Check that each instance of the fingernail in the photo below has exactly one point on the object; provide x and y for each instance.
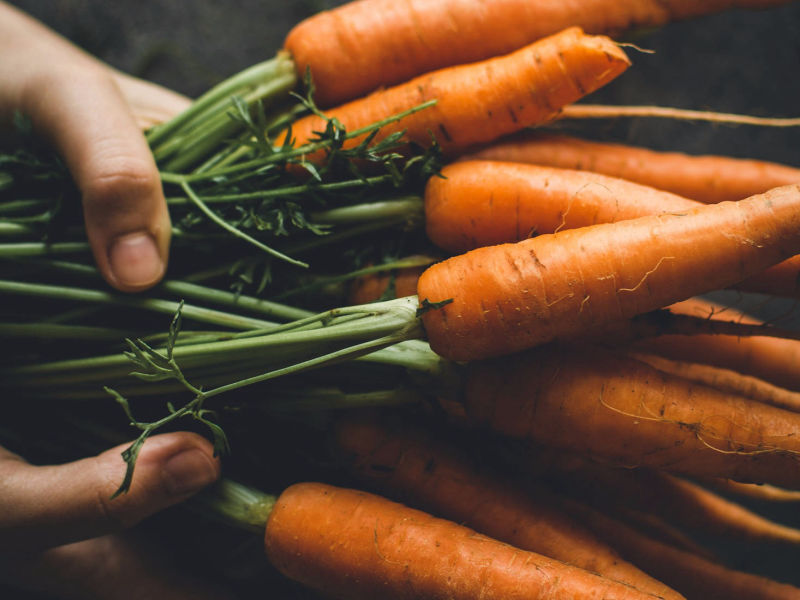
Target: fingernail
(135, 260)
(188, 472)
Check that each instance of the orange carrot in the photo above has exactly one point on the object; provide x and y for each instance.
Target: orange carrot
(773, 360)
(477, 103)
(613, 408)
(479, 203)
(726, 380)
(368, 44)
(763, 492)
(676, 500)
(707, 179)
(692, 575)
(351, 544)
(514, 296)
(406, 462)
(403, 282)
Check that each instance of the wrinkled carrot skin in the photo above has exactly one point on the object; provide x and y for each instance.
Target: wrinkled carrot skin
(481, 203)
(677, 500)
(773, 360)
(708, 179)
(617, 409)
(692, 575)
(726, 380)
(408, 464)
(368, 44)
(513, 296)
(480, 102)
(354, 545)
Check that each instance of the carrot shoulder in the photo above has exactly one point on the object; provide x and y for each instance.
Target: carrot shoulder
(513, 296)
(708, 179)
(351, 544)
(405, 462)
(479, 102)
(368, 44)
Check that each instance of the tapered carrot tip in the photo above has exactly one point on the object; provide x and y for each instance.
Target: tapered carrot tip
(354, 545)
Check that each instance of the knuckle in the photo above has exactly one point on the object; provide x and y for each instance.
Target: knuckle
(119, 175)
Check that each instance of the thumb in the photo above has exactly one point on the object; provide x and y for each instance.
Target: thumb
(81, 109)
(42, 507)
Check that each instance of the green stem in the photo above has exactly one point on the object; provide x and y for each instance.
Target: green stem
(237, 232)
(205, 315)
(410, 208)
(218, 97)
(281, 192)
(235, 504)
(199, 143)
(42, 249)
(284, 154)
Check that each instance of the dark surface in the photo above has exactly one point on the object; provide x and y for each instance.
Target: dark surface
(746, 62)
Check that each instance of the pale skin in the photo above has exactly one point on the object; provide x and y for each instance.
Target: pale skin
(60, 531)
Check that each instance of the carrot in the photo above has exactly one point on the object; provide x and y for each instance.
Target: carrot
(368, 44)
(676, 500)
(773, 360)
(763, 492)
(514, 296)
(613, 408)
(479, 102)
(351, 544)
(407, 462)
(479, 203)
(371, 288)
(726, 380)
(708, 179)
(693, 575)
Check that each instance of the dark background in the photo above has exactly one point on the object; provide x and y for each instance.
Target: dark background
(739, 61)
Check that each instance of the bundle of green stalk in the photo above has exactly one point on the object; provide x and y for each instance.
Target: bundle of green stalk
(490, 338)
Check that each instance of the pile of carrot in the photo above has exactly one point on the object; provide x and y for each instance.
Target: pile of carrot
(563, 433)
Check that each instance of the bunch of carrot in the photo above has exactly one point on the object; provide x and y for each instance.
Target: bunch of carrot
(524, 330)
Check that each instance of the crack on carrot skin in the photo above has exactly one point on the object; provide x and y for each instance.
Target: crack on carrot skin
(699, 429)
(646, 275)
(378, 550)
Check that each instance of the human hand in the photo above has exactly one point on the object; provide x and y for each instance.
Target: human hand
(92, 115)
(59, 527)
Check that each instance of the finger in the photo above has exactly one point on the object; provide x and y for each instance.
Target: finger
(150, 104)
(106, 568)
(82, 111)
(42, 507)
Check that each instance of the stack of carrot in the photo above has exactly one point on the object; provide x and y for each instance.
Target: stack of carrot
(559, 322)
